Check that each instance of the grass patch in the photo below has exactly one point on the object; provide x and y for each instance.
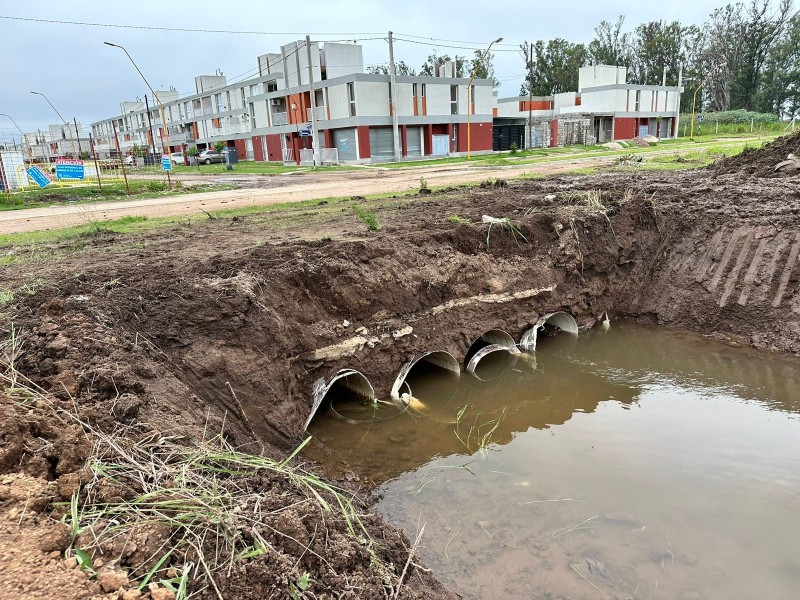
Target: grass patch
(457, 219)
(369, 218)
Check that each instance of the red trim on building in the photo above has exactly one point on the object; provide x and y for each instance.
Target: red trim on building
(404, 140)
(363, 142)
(241, 149)
(554, 133)
(625, 128)
(258, 149)
(480, 134)
(416, 108)
(274, 148)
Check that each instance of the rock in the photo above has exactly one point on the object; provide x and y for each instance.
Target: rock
(346, 323)
(65, 384)
(55, 539)
(362, 331)
(131, 595)
(71, 562)
(111, 581)
(162, 594)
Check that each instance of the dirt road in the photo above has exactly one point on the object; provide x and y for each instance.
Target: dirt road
(300, 187)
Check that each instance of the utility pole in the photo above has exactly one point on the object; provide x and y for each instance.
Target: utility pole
(529, 141)
(393, 100)
(150, 123)
(93, 150)
(678, 112)
(77, 137)
(119, 156)
(314, 131)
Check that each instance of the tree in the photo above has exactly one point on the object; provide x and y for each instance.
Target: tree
(654, 46)
(400, 68)
(481, 67)
(779, 91)
(555, 67)
(431, 66)
(219, 146)
(610, 46)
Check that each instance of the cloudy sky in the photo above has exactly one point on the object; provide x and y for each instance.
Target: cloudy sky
(86, 79)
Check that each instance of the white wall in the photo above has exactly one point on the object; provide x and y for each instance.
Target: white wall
(342, 59)
(338, 102)
(599, 75)
(372, 98)
(404, 103)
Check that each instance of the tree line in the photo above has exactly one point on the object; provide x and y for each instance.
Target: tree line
(745, 56)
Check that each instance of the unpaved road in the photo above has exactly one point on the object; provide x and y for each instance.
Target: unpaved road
(308, 186)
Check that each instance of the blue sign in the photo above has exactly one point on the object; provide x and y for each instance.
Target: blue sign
(306, 131)
(70, 169)
(166, 164)
(39, 176)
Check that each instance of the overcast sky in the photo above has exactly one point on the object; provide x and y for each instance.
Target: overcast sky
(85, 79)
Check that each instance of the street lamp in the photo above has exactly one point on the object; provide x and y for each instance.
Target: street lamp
(74, 149)
(469, 93)
(697, 89)
(164, 129)
(24, 140)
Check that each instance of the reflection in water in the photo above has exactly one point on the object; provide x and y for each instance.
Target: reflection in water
(636, 463)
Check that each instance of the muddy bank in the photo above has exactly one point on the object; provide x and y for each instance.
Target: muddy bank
(230, 325)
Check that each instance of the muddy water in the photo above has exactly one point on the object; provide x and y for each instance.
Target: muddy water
(639, 463)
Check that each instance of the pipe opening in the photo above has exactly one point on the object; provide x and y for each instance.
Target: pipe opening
(496, 337)
(548, 326)
(432, 375)
(492, 361)
(347, 395)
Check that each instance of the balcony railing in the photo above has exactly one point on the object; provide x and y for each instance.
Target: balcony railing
(322, 114)
(279, 118)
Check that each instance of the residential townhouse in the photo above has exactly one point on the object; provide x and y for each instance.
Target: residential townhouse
(267, 117)
(604, 108)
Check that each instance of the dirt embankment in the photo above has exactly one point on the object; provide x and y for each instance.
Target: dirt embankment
(218, 329)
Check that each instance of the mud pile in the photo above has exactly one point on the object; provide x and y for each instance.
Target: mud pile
(226, 328)
(761, 162)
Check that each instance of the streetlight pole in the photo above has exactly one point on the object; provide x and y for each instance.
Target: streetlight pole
(74, 149)
(24, 140)
(469, 95)
(694, 96)
(164, 128)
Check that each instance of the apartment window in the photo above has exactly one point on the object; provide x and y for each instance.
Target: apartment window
(638, 100)
(218, 102)
(228, 100)
(351, 98)
(243, 99)
(252, 116)
(414, 89)
(453, 99)
(472, 99)
(254, 90)
(272, 86)
(169, 110)
(423, 90)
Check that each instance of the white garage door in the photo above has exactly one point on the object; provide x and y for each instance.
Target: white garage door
(344, 140)
(414, 141)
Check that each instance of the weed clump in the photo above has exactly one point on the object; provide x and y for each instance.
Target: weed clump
(370, 220)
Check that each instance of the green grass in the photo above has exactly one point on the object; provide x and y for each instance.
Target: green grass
(54, 195)
(255, 168)
(369, 218)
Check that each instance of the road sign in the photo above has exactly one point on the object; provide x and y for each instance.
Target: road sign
(166, 163)
(306, 131)
(39, 176)
(70, 169)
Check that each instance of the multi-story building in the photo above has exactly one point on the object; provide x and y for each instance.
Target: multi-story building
(605, 107)
(268, 117)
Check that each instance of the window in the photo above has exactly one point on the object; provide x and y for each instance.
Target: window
(351, 97)
(414, 90)
(472, 99)
(453, 99)
(254, 90)
(638, 100)
(423, 90)
(666, 101)
(218, 102)
(228, 100)
(252, 116)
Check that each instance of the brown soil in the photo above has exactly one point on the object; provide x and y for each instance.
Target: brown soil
(226, 327)
(761, 162)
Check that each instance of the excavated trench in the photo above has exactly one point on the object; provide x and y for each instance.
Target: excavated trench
(250, 333)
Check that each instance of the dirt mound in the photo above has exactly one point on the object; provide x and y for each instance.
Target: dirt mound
(141, 349)
(760, 162)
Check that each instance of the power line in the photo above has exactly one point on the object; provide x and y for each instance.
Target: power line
(181, 29)
(479, 45)
(438, 45)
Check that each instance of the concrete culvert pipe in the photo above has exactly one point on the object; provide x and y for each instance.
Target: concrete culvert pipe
(492, 361)
(345, 386)
(496, 337)
(548, 325)
(437, 367)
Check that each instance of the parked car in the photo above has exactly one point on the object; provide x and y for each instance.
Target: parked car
(209, 156)
(130, 161)
(177, 158)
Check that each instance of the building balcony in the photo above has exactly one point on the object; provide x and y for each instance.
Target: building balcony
(322, 114)
(280, 118)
